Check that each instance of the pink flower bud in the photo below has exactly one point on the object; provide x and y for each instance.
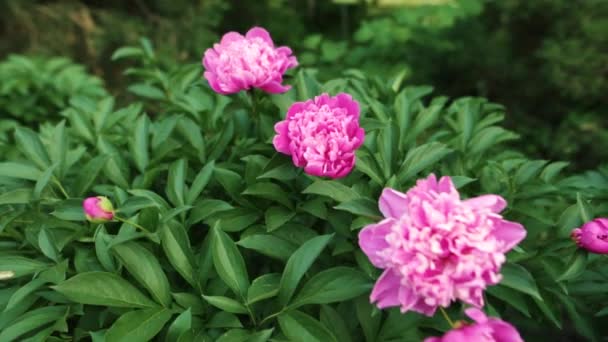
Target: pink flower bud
(98, 209)
(593, 236)
(484, 329)
(321, 135)
(243, 62)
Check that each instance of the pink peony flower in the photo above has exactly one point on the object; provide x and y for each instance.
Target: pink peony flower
(321, 135)
(484, 330)
(240, 63)
(436, 248)
(98, 209)
(593, 236)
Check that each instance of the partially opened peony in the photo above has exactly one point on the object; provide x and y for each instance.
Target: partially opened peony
(436, 248)
(485, 329)
(593, 236)
(321, 135)
(243, 62)
(98, 209)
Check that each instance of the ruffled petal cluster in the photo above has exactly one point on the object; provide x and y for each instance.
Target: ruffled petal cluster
(243, 62)
(436, 248)
(593, 236)
(321, 135)
(485, 329)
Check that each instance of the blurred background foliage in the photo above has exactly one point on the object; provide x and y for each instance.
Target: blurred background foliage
(545, 60)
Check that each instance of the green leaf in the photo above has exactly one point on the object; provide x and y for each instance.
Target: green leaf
(575, 266)
(585, 210)
(146, 269)
(207, 208)
(268, 245)
(236, 219)
(300, 327)
(32, 320)
(275, 217)
(147, 91)
(43, 181)
(298, 264)
(20, 266)
(176, 182)
(230, 180)
(102, 248)
(126, 51)
(177, 248)
(333, 285)
(264, 287)
(511, 297)
(88, 174)
(192, 132)
(519, 279)
(226, 304)
(24, 291)
(421, 158)
(17, 196)
(138, 325)
(19, 170)
(332, 320)
(47, 245)
(58, 148)
(360, 207)
(222, 142)
(69, 210)
(181, 325)
(103, 288)
(200, 182)
(140, 143)
(269, 191)
(332, 189)
(228, 262)
(29, 143)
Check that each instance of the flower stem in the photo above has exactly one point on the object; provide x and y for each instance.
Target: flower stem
(447, 318)
(271, 316)
(58, 183)
(131, 223)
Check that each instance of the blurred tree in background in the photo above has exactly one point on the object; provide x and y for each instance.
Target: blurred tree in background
(546, 60)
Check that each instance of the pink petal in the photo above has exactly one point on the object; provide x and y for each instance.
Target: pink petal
(504, 332)
(392, 203)
(386, 290)
(476, 315)
(275, 87)
(372, 239)
(258, 32)
(493, 202)
(231, 37)
(511, 233)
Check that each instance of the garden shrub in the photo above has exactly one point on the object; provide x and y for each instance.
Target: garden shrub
(220, 237)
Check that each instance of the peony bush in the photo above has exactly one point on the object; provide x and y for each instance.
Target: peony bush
(262, 203)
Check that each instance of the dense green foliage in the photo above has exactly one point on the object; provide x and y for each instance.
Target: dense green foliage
(545, 60)
(236, 243)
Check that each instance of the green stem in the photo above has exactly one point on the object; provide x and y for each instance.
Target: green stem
(251, 315)
(131, 223)
(61, 187)
(271, 316)
(447, 318)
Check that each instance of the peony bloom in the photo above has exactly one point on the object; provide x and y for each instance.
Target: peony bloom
(436, 248)
(241, 63)
(321, 135)
(483, 330)
(593, 236)
(98, 209)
